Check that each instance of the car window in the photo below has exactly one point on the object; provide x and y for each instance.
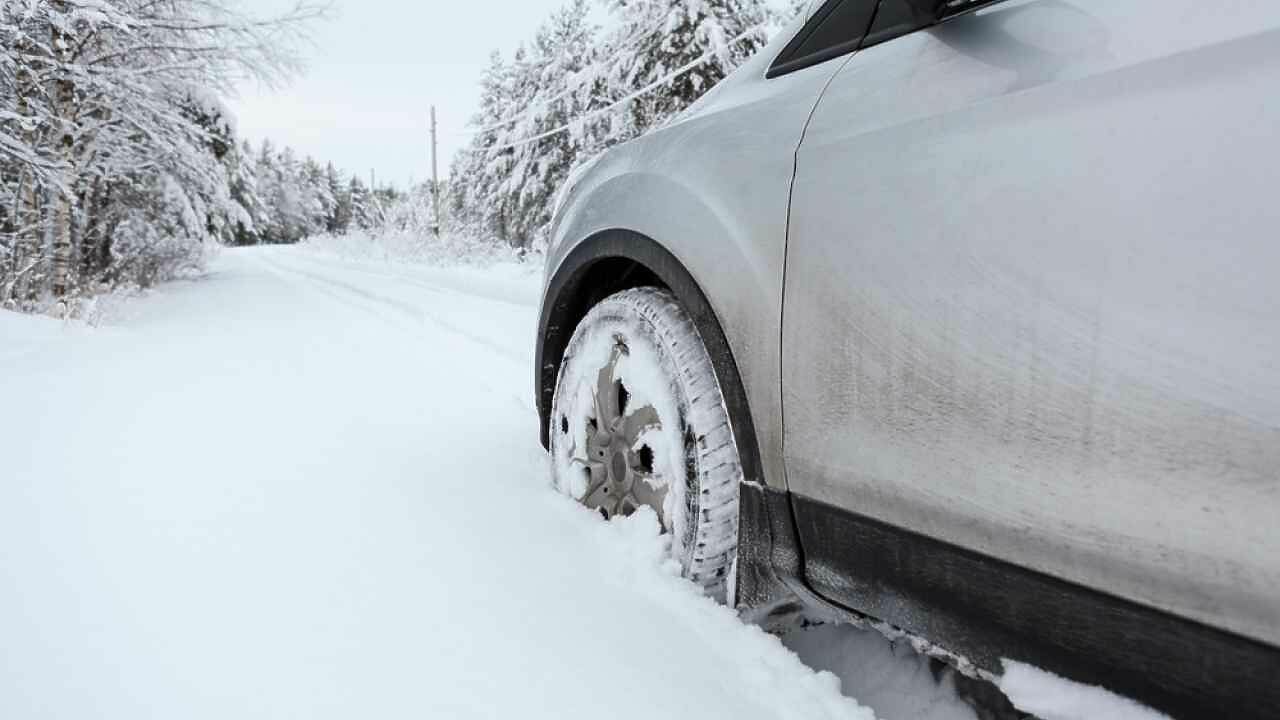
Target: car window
(835, 29)
(901, 17)
(842, 26)
(896, 18)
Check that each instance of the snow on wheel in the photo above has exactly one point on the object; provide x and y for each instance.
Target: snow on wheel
(638, 420)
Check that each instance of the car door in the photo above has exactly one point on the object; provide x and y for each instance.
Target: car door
(1030, 303)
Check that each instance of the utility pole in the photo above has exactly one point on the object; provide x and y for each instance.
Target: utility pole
(435, 179)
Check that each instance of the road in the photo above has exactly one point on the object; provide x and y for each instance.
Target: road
(310, 487)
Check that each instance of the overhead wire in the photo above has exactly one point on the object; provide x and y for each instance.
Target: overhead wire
(682, 70)
(630, 44)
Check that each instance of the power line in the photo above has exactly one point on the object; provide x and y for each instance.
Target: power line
(637, 94)
(592, 77)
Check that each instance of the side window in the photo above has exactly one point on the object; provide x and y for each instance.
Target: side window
(842, 26)
(896, 18)
(835, 29)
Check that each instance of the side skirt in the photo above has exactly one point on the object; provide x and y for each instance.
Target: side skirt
(982, 610)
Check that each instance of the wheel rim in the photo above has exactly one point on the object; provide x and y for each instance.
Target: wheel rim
(613, 452)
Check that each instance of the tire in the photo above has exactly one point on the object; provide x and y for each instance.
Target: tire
(638, 419)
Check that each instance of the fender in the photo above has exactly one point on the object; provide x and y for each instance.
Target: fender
(613, 260)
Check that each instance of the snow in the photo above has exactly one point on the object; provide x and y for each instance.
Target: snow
(311, 487)
(888, 676)
(309, 484)
(1050, 697)
(647, 379)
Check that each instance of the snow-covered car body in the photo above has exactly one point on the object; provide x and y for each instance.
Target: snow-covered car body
(997, 294)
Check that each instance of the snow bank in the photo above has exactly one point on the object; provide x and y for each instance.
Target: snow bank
(306, 486)
(499, 278)
(756, 663)
(1050, 697)
(415, 247)
(17, 327)
(310, 488)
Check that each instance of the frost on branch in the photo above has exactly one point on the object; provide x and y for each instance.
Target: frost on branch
(575, 90)
(118, 161)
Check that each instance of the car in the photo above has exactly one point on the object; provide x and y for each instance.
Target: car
(961, 317)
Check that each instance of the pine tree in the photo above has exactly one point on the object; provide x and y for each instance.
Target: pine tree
(549, 108)
(363, 215)
(290, 201)
(339, 218)
(252, 212)
(656, 38)
(560, 74)
(319, 201)
(476, 170)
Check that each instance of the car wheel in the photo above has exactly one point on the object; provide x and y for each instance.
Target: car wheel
(638, 420)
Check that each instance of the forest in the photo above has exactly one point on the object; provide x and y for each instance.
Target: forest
(121, 164)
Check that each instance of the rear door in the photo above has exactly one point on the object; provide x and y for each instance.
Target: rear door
(1031, 305)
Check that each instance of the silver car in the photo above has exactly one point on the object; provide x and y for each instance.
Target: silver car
(960, 316)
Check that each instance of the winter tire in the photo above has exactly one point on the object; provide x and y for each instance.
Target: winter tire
(638, 419)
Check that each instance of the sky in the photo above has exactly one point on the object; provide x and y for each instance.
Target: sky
(374, 70)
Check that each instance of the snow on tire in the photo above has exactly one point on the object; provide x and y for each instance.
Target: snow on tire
(638, 419)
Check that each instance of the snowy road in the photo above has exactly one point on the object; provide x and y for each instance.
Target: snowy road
(310, 487)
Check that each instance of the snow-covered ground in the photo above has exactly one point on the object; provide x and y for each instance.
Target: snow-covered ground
(310, 486)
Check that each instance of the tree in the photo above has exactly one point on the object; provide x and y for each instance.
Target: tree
(363, 215)
(475, 177)
(108, 112)
(339, 218)
(564, 59)
(504, 183)
(657, 38)
(575, 92)
(252, 212)
(318, 200)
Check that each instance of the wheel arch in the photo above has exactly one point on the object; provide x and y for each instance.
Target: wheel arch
(613, 260)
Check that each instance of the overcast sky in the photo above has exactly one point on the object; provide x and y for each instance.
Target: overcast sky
(376, 69)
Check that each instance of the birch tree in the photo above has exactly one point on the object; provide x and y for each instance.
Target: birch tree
(110, 115)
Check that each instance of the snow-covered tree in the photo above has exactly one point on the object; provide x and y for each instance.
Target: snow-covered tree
(657, 38)
(360, 200)
(794, 8)
(108, 111)
(476, 171)
(243, 179)
(575, 91)
(339, 216)
(563, 74)
(510, 175)
(319, 201)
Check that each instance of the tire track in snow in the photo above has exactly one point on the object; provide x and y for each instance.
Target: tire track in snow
(899, 680)
(365, 298)
(412, 311)
(354, 266)
(292, 279)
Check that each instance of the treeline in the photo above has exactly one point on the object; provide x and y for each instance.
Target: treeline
(118, 163)
(286, 199)
(575, 89)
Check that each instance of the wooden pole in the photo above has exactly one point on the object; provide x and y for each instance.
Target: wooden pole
(435, 178)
